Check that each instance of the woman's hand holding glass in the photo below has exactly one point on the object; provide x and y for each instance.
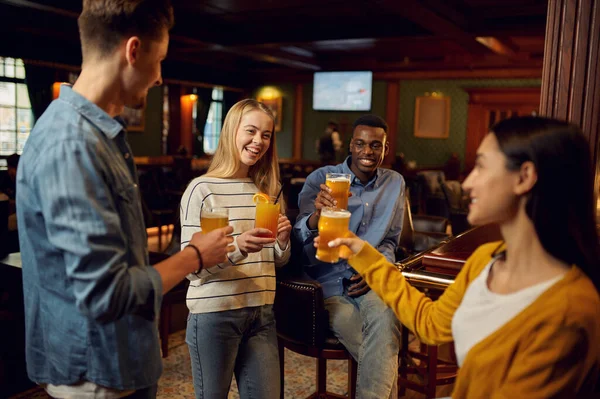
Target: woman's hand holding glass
(284, 229)
(350, 245)
(254, 240)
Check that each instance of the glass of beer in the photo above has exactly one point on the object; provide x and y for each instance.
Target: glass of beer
(267, 217)
(333, 223)
(339, 183)
(213, 218)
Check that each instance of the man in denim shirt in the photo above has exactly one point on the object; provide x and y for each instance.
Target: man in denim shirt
(91, 297)
(361, 321)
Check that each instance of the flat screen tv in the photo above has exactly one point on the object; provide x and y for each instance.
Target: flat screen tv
(342, 91)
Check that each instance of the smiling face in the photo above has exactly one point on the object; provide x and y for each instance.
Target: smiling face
(492, 186)
(368, 148)
(253, 137)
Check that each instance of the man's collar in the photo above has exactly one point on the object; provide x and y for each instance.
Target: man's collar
(96, 115)
(346, 167)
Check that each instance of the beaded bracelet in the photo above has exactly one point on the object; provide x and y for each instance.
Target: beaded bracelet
(195, 248)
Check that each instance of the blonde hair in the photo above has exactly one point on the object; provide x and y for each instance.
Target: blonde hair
(226, 161)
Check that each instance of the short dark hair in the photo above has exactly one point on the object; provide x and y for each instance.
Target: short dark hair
(104, 23)
(12, 160)
(561, 203)
(371, 120)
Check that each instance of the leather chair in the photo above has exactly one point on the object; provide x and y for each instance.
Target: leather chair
(419, 232)
(457, 208)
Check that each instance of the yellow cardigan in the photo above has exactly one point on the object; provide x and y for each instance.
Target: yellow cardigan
(549, 350)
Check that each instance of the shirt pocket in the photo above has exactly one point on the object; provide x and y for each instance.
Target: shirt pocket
(130, 214)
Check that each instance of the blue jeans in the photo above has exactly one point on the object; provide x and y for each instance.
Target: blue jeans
(370, 331)
(241, 341)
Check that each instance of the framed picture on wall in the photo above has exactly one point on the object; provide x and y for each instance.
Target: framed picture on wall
(432, 117)
(274, 104)
(134, 118)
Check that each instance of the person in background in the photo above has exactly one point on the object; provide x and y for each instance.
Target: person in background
(524, 313)
(91, 297)
(358, 318)
(8, 185)
(231, 327)
(329, 145)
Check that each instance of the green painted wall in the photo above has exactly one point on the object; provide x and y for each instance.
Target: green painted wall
(147, 143)
(315, 122)
(284, 137)
(431, 152)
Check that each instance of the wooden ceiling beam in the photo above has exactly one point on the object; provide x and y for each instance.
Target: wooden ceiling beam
(273, 59)
(41, 7)
(421, 15)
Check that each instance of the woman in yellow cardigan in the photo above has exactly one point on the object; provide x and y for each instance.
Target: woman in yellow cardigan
(524, 313)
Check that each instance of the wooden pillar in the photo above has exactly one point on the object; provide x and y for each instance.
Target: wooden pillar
(187, 104)
(391, 117)
(297, 133)
(571, 75)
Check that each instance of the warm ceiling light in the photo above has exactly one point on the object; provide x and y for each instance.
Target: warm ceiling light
(496, 45)
(269, 93)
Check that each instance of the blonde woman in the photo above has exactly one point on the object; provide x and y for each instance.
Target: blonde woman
(231, 327)
(524, 313)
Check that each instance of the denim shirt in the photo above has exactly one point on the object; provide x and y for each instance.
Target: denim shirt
(91, 298)
(377, 209)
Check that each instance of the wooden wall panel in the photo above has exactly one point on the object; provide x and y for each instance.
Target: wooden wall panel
(571, 74)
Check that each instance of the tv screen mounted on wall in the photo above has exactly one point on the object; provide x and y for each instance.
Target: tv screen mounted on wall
(342, 91)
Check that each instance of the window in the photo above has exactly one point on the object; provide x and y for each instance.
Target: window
(16, 118)
(214, 121)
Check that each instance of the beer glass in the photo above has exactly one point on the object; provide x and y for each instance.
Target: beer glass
(339, 183)
(267, 217)
(333, 223)
(213, 218)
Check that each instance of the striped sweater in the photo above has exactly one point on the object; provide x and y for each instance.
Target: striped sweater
(244, 280)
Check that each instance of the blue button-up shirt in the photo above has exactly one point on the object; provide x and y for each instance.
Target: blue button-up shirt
(91, 298)
(377, 210)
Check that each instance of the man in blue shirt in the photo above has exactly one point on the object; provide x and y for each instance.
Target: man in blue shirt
(91, 297)
(361, 321)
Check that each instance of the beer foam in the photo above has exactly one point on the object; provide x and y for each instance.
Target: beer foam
(335, 213)
(214, 215)
(338, 179)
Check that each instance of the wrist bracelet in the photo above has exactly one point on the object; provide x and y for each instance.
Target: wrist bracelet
(195, 248)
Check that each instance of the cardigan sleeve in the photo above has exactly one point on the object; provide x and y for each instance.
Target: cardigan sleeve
(551, 364)
(430, 320)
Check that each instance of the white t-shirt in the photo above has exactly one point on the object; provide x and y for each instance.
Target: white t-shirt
(482, 311)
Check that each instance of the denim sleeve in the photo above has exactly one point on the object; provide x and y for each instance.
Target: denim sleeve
(82, 220)
(390, 242)
(306, 203)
